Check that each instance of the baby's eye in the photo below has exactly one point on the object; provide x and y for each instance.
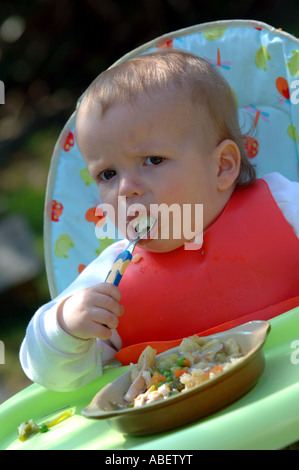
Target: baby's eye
(154, 160)
(107, 175)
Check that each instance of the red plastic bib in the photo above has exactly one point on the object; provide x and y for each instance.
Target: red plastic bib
(247, 266)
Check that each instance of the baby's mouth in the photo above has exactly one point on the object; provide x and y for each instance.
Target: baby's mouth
(142, 224)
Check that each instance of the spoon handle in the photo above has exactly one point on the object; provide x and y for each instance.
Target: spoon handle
(118, 268)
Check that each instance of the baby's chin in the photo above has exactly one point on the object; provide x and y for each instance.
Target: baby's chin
(160, 246)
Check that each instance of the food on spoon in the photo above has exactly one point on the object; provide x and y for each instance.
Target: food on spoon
(143, 222)
(198, 359)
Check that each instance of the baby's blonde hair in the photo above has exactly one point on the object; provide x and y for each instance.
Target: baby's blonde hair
(176, 70)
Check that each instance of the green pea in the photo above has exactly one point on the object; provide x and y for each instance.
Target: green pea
(180, 361)
(43, 428)
(169, 378)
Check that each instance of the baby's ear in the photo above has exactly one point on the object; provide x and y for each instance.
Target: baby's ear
(228, 160)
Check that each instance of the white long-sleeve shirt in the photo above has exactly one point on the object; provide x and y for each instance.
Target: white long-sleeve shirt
(61, 362)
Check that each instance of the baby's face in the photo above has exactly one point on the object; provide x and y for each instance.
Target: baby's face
(152, 153)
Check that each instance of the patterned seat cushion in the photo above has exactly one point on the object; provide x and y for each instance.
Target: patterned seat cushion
(261, 65)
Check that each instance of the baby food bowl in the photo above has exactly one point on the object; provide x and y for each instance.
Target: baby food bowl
(194, 404)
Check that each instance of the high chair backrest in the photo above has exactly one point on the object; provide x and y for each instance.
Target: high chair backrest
(261, 65)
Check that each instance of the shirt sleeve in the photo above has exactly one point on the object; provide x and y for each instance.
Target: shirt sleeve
(286, 196)
(53, 358)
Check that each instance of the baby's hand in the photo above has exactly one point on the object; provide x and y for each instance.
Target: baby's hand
(91, 312)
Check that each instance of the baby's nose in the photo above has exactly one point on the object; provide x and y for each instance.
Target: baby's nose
(130, 187)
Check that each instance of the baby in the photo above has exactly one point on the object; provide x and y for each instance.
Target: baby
(162, 129)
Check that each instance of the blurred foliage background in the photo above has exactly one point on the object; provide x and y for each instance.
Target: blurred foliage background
(50, 50)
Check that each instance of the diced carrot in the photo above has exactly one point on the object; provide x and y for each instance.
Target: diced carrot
(179, 372)
(156, 379)
(186, 363)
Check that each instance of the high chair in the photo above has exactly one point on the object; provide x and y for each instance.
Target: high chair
(261, 64)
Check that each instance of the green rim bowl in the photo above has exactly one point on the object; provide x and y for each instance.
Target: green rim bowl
(194, 404)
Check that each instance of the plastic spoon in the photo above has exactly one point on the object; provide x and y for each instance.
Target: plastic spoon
(120, 264)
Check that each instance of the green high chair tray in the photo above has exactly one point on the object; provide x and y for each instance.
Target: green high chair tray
(267, 417)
